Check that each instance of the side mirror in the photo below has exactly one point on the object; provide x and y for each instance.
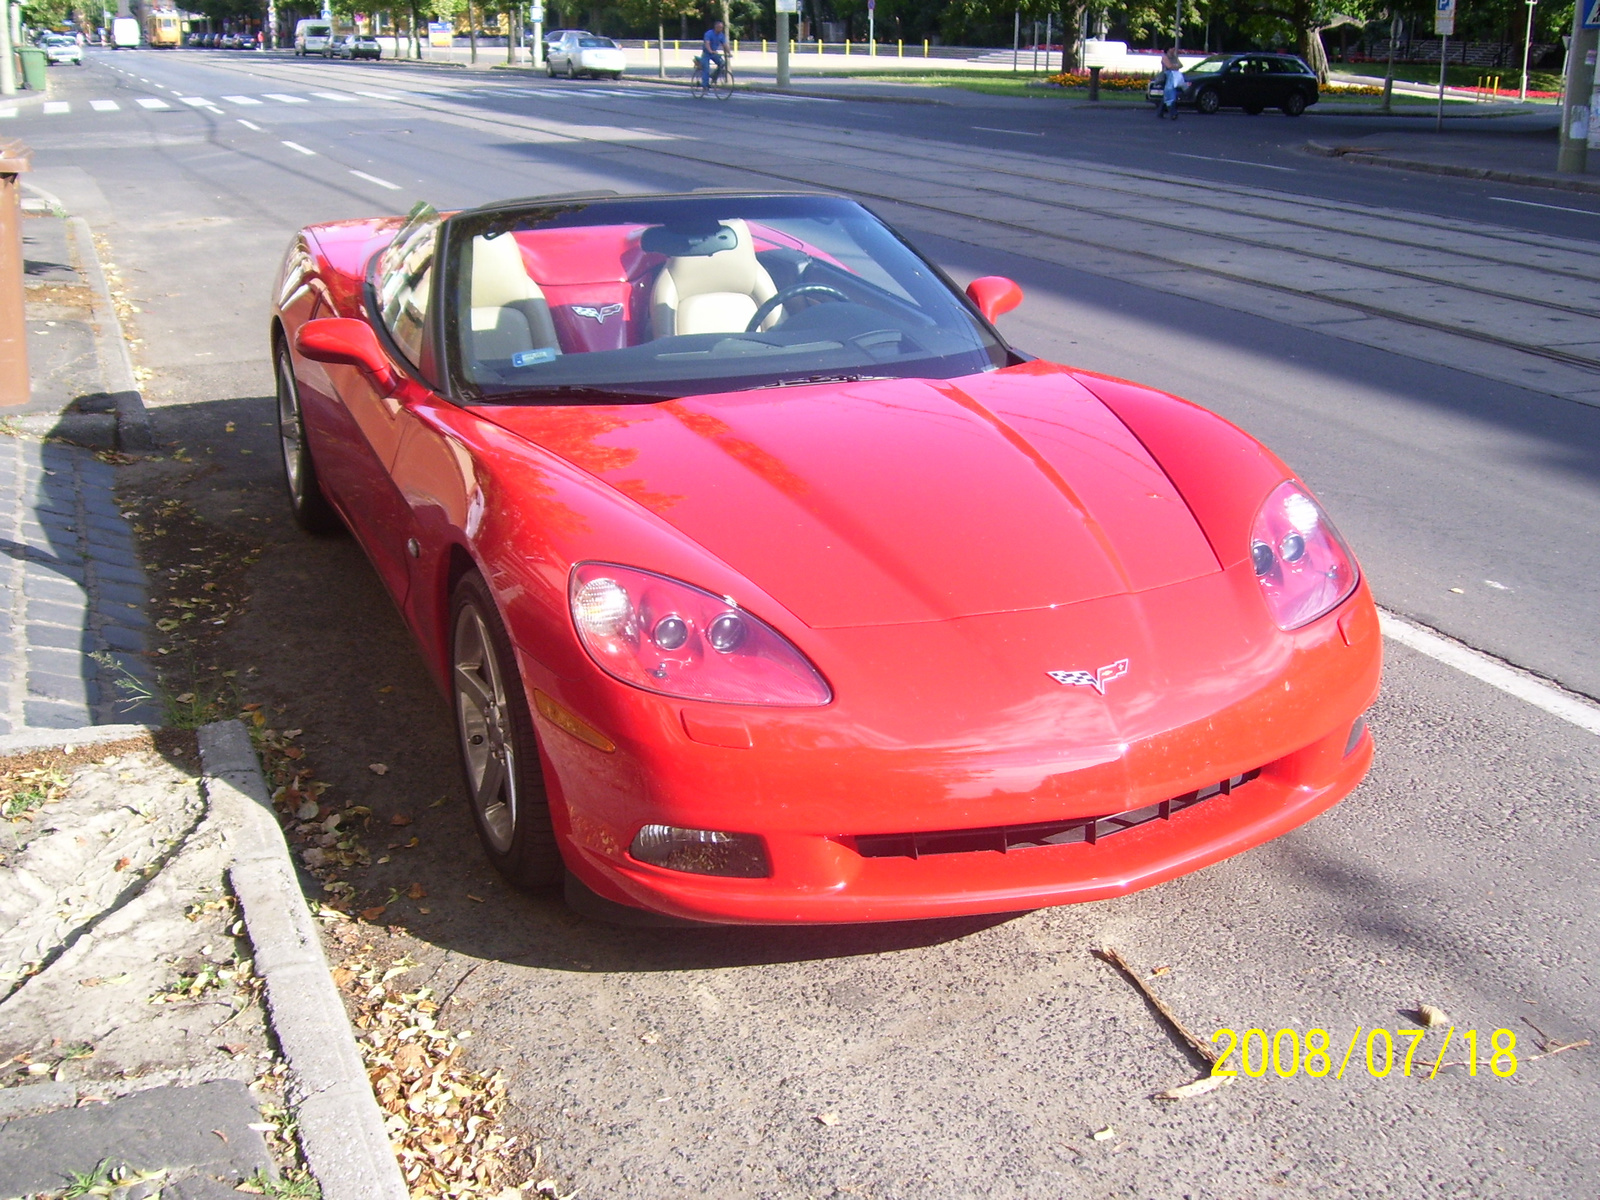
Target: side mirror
(347, 341)
(995, 295)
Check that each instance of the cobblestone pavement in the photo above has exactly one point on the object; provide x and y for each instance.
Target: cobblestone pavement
(72, 594)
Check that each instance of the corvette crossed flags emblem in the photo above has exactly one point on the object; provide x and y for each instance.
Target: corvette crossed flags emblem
(1094, 679)
(597, 312)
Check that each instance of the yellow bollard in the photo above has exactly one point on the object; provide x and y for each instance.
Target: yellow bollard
(872, 49)
(924, 47)
(847, 47)
(763, 45)
(900, 47)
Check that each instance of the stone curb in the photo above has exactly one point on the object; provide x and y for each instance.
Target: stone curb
(27, 741)
(116, 363)
(341, 1127)
(1526, 179)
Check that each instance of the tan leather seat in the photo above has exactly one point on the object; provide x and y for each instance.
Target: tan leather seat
(712, 293)
(509, 312)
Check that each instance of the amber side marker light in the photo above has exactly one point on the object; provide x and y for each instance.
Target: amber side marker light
(562, 719)
(702, 851)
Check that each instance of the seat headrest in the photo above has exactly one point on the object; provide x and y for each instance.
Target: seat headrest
(734, 269)
(498, 274)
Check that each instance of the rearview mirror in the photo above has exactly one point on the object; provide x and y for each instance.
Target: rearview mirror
(347, 341)
(995, 295)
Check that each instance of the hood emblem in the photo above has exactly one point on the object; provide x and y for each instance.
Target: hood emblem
(597, 312)
(1094, 679)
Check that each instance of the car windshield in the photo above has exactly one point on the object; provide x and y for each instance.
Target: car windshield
(603, 43)
(1207, 66)
(643, 299)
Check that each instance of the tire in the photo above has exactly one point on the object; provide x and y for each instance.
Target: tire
(723, 84)
(1294, 104)
(550, 68)
(499, 749)
(1208, 101)
(307, 504)
(572, 69)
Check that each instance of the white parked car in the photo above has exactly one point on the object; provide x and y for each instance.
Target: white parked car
(59, 49)
(578, 53)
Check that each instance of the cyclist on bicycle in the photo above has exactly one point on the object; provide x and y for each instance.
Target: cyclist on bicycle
(713, 51)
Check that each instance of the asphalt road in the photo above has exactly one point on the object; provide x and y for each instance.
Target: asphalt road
(1453, 439)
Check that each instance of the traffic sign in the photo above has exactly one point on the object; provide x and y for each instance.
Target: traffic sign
(1591, 14)
(1444, 17)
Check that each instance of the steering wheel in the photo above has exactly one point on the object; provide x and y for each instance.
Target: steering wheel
(788, 294)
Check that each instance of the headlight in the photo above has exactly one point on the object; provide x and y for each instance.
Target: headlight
(670, 637)
(1302, 564)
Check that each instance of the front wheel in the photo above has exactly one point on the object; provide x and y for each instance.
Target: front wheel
(723, 84)
(307, 504)
(499, 749)
(550, 68)
(1208, 101)
(1294, 104)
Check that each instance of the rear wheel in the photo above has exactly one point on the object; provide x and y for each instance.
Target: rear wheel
(499, 750)
(572, 69)
(1208, 101)
(307, 504)
(1294, 104)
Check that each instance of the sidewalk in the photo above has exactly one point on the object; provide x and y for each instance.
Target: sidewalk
(168, 1021)
(1519, 148)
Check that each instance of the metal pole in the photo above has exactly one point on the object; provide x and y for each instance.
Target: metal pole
(1444, 57)
(1016, 38)
(1573, 157)
(783, 50)
(1527, 45)
(8, 64)
(1177, 24)
(1388, 77)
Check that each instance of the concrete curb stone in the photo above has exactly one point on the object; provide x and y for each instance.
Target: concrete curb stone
(1527, 179)
(341, 1127)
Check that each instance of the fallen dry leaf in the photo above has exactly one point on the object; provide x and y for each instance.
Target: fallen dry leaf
(221, 1135)
(378, 768)
(470, 896)
(1432, 1017)
(122, 864)
(1104, 1135)
(828, 1118)
(1163, 970)
(1189, 1091)
(376, 911)
(342, 975)
(235, 1048)
(398, 818)
(416, 892)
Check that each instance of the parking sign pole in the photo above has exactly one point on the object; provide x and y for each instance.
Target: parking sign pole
(1444, 24)
(1576, 115)
(783, 9)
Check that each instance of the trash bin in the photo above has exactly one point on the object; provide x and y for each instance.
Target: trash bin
(34, 64)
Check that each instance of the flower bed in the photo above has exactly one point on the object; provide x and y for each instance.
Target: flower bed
(1108, 83)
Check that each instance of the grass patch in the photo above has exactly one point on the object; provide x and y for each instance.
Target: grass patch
(1510, 77)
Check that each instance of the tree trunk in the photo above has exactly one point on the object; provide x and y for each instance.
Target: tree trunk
(1315, 54)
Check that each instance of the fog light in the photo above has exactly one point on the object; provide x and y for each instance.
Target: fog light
(702, 851)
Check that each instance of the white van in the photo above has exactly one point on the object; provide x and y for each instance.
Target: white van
(313, 37)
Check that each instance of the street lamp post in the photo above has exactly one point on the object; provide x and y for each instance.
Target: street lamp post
(1527, 45)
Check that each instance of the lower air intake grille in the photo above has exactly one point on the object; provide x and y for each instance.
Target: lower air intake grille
(1048, 833)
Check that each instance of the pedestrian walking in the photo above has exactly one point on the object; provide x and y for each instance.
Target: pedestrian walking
(1172, 71)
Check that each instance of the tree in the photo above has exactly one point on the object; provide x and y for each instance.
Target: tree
(656, 12)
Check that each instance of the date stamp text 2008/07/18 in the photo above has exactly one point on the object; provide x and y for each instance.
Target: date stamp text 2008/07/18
(1286, 1054)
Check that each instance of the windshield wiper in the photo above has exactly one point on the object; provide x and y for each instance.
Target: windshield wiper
(796, 381)
(575, 393)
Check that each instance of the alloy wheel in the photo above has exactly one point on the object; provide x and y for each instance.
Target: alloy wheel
(485, 726)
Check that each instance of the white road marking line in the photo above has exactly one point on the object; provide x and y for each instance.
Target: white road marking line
(380, 95)
(9, 110)
(241, 100)
(249, 124)
(299, 147)
(285, 98)
(340, 96)
(1588, 212)
(105, 106)
(152, 102)
(393, 187)
(1544, 696)
(1018, 132)
(55, 106)
(1233, 162)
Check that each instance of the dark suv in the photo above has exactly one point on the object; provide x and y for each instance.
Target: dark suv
(1252, 82)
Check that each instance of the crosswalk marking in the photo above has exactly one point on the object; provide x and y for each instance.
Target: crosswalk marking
(105, 106)
(10, 110)
(55, 106)
(197, 101)
(380, 95)
(340, 96)
(152, 102)
(241, 100)
(285, 98)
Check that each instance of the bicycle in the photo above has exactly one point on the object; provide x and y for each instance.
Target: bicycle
(721, 81)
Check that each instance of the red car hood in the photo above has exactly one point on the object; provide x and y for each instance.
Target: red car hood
(901, 500)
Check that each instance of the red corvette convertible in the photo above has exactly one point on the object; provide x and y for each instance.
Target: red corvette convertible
(768, 584)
